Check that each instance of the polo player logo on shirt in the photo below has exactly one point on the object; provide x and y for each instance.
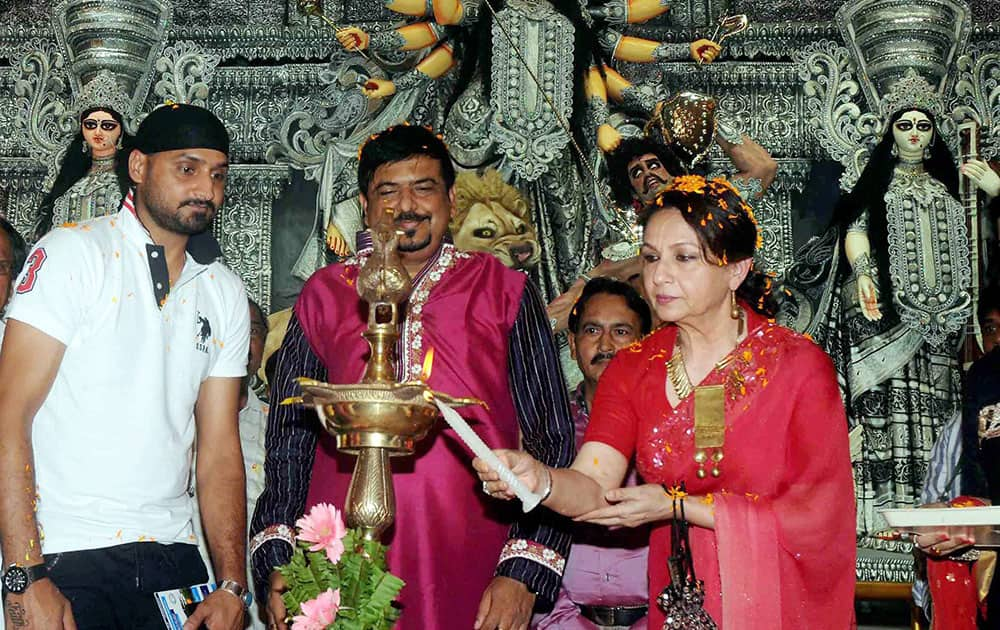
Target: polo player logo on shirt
(204, 332)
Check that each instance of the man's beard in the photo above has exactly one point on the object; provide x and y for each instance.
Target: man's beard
(174, 221)
(412, 246)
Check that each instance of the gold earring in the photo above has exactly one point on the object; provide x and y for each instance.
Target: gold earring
(734, 309)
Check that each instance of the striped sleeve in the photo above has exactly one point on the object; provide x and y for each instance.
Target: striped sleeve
(290, 446)
(538, 544)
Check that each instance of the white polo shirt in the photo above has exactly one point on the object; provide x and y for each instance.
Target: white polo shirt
(112, 440)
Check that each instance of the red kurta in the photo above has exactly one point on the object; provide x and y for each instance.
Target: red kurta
(782, 554)
(447, 535)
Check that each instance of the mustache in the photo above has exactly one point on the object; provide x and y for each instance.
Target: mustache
(207, 205)
(410, 216)
(646, 185)
(602, 356)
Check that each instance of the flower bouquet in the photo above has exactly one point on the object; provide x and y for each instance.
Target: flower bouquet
(337, 580)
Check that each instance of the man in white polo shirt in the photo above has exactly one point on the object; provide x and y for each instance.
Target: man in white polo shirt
(124, 342)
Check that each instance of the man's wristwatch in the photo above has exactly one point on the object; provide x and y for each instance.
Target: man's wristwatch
(236, 589)
(16, 579)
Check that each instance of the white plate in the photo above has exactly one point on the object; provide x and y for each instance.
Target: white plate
(928, 517)
(982, 523)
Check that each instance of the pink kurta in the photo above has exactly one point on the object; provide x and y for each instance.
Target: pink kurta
(448, 535)
(782, 554)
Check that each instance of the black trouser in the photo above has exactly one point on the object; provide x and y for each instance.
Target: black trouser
(112, 588)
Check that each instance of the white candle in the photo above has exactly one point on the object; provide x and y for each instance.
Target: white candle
(528, 498)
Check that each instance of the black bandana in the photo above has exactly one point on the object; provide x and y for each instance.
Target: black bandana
(180, 126)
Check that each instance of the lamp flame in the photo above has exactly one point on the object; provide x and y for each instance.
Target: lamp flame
(425, 371)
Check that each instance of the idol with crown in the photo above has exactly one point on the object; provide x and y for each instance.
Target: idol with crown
(81, 134)
(901, 248)
(92, 177)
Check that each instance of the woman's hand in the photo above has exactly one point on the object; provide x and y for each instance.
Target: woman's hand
(353, 38)
(705, 50)
(529, 470)
(632, 507)
(940, 544)
(868, 298)
(983, 176)
(378, 88)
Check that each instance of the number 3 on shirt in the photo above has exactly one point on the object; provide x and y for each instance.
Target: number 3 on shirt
(34, 264)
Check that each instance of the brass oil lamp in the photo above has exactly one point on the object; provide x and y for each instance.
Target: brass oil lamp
(378, 417)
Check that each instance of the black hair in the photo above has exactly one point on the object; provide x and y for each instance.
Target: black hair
(630, 149)
(18, 248)
(989, 301)
(76, 164)
(869, 193)
(474, 48)
(260, 311)
(400, 143)
(727, 231)
(610, 286)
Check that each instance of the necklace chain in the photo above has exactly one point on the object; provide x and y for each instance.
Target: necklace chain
(678, 375)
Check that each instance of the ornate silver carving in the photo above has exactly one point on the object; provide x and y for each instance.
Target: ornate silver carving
(887, 38)
(467, 127)
(929, 258)
(21, 191)
(411, 79)
(773, 211)
(526, 129)
(666, 51)
(243, 227)
(608, 39)
(245, 98)
(339, 118)
(185, 70)
(911, 91)
(123, 36)
(40, 90)
(843, 130)
(389, 39)
(641, 98)
(977, 96)
(613, 12)
(103, 91)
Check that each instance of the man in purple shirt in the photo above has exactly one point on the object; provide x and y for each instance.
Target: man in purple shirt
(604, 584)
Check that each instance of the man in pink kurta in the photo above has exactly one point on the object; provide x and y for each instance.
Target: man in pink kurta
(466, 560)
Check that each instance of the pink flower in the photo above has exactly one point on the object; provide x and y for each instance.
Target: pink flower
(324, 527)
(319, 613)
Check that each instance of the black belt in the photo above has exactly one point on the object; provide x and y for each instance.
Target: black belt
(613, 615)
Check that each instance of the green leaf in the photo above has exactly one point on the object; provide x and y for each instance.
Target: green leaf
(367, 590)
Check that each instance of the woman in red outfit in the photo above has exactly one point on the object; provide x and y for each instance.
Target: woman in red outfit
(767, 469)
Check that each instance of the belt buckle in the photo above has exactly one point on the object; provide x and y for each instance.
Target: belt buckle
(614, 615)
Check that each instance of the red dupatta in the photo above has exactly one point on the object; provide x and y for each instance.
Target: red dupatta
(782, 554)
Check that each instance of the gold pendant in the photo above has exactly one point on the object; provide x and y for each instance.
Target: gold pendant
(709, 427)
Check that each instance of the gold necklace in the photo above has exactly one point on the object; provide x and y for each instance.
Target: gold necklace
(709, 412)
(677, 372)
